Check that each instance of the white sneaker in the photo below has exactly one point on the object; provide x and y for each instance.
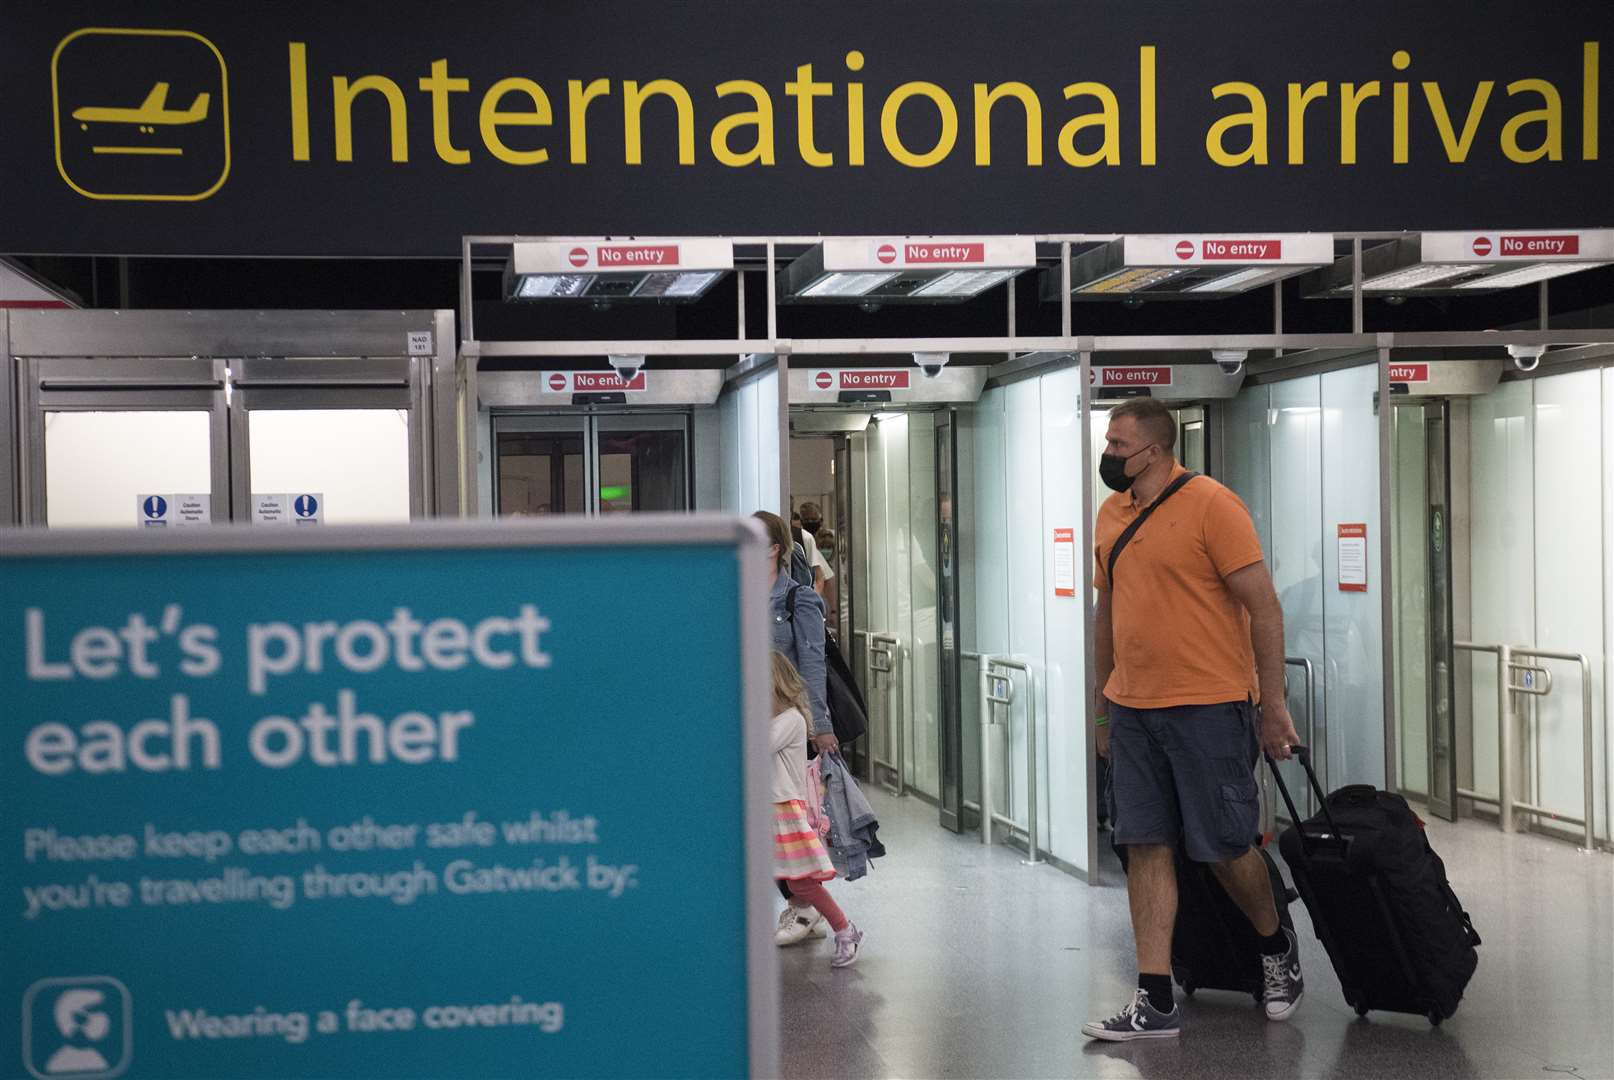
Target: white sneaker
(797, 925)
(847, 944)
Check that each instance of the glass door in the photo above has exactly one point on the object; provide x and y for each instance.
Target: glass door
(540, 467)
(1421, 576)
(643, 464)
(594, 465)
(950, 711)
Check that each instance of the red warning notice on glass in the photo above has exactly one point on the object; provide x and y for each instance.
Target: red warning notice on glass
(1064, 562)
(1353, 557)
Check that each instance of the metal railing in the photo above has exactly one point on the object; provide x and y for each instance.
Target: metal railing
(997, 688)
(1514, 678)
(885, 658)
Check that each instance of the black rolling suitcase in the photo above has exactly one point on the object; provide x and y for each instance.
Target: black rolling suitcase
(1213, 945)
(1398, 936)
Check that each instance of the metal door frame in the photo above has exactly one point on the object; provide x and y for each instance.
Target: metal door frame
(79, 384)
(300, 359)
(544, 424)
(285, 384)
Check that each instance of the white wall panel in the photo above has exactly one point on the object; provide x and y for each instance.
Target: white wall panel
(924, 639)
(1294, 543)
(1065, 622)
(1568, 574)
(1502, 588)
(1353, 620)
(1025, 557)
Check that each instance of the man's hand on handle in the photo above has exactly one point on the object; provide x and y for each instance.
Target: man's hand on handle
(1277, 730)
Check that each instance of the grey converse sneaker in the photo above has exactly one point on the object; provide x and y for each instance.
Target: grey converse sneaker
(847, 944)
(1139, 1020)
(797, 925)
(1282, 981)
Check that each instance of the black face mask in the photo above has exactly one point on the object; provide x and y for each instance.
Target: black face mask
(1112, 470)
(812, 527)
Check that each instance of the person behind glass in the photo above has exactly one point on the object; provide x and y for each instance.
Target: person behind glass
(799, 635)
(1189, 659)
(801, 865)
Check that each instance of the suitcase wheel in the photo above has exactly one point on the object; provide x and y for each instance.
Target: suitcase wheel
(1434, 1018)
(1188, 989)
(1361, 1010)
(1260, 999)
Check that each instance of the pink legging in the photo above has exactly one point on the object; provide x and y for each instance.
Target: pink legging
(809, 892)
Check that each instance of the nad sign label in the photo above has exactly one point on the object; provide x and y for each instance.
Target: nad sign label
(356, 820)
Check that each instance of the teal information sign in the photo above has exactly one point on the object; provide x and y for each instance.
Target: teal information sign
(454, 800)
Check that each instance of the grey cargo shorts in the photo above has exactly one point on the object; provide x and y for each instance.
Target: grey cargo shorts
(1186, 774)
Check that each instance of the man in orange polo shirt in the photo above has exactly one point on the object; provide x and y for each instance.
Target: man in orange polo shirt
(1189, 640)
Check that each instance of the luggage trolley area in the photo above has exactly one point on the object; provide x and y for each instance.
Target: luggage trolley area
(936, 401)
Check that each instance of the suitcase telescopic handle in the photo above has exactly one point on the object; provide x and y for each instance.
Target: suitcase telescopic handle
(1303, 755)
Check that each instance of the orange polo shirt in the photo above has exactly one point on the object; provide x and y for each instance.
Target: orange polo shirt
(1181, 636)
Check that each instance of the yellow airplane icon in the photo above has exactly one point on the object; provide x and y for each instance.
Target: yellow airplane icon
(153, 112)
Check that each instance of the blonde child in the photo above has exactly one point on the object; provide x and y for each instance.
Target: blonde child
(799, 858)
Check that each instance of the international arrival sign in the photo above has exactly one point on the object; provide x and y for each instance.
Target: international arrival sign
(183, 127)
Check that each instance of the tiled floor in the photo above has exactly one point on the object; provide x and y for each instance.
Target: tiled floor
(978, 966)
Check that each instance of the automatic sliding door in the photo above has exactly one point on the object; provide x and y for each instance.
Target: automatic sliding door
(540, 467)
(591, 464)
(643, 464)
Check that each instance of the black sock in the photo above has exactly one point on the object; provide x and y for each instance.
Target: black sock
(1276, 944)
(1158, 987)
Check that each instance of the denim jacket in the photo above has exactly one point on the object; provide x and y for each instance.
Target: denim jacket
(801, 639)
(853, 830)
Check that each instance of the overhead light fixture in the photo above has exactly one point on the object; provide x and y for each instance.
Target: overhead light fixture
(1460, 263)
(1239, 280)
(965, 282)
(915, 269)
(1529, 275)
(665, 270)
(1128, 281)
(1190, 266)
(853, 284)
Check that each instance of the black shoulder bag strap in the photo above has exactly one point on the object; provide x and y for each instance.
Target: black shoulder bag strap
(1131, 530)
